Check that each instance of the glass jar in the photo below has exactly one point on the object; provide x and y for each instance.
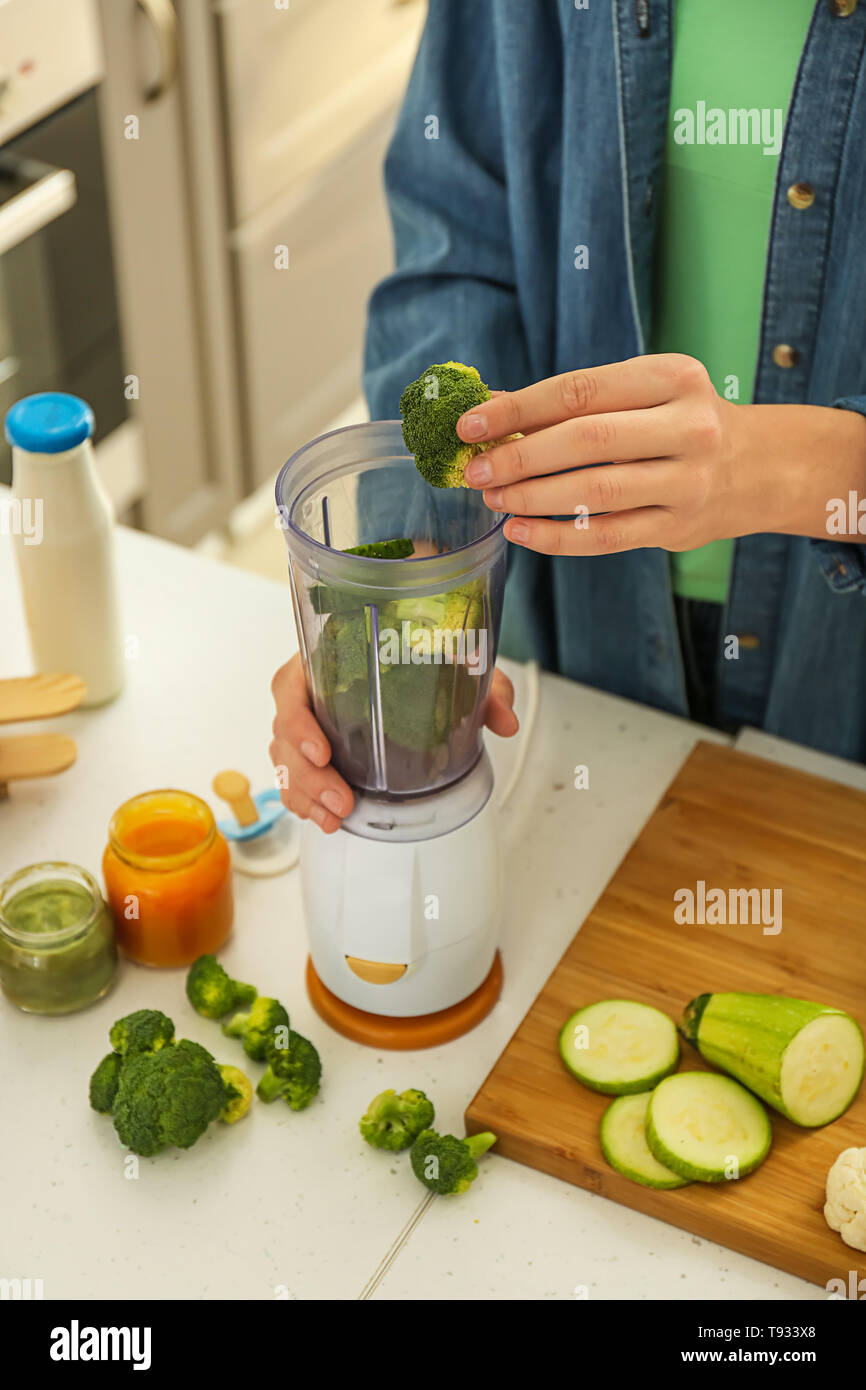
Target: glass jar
(168, 878)
(57, 950)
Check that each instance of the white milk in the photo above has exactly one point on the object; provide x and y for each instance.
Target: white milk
(68, 578)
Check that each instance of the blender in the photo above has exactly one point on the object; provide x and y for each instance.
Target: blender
(403, 902)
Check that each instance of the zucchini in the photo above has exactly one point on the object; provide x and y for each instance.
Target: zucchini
(804, 1059)
(624, 1145)
(707, 1127)
(619, 1047)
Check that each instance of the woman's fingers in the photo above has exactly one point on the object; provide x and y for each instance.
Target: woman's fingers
(616, 437)
(636, 384)
(300, 750)
(313, 793)
(625, 437)
(615, 487)
(598, 535)
(499, 713)
(295, 722)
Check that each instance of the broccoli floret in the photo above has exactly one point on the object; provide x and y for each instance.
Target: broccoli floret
(397, 549)
(416, 706)
(394, 1122)
(342, 651)
(431, 407)
(168, 1097)
(211, 990)
(104, 1083)
(446, 1164)
(256, 1027)
(293, 1072)
(146, 1030)
(464, 608)
(428, 611)
(239, 1089)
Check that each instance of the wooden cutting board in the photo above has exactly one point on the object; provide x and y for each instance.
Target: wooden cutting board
(733, 821)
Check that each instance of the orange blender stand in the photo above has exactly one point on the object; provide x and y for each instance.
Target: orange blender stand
(405, 1034)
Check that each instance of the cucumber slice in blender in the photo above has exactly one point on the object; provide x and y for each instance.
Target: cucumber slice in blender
(804, 1059)
(707, 1127)
(618, 1046)
(624, 1145)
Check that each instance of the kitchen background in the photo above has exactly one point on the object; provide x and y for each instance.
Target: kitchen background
(191, 221)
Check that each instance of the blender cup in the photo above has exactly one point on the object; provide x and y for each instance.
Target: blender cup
(398, 654)
(402, 903)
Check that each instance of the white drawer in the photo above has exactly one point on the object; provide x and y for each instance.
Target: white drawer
(303, 328)
(300, 82)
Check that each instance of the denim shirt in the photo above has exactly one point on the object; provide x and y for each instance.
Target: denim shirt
(531, 129)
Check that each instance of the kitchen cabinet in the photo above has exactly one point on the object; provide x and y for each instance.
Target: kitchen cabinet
(259, 127)
(302, 325)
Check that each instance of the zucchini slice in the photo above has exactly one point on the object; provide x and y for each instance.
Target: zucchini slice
(707, 1127)
(624, 1145)
(619, 1047)
(804, 1059)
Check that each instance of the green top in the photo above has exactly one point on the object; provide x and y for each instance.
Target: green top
(717, 202)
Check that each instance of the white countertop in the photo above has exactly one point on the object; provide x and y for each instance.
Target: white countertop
(297, 1205)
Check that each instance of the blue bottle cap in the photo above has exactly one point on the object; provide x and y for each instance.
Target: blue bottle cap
(49, 423)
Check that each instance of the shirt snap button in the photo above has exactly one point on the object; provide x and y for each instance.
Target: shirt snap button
(843, 7)
(801, 195)
(785, 356)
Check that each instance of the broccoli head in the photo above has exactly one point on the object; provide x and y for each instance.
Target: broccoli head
(426, 611)
(342, 651)
(293, 1072)
(168, 1097)
(239, 1089)
(446, 1164)
(211, 990)
(397, 549)
(255, 1028)
(431, 407)
(146, 1030)
(104, 1083)
(464, 608)
(394, 1122)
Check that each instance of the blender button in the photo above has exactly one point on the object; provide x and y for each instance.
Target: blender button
(375, 972)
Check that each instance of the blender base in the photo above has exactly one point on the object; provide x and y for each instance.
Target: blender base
(405, 1034)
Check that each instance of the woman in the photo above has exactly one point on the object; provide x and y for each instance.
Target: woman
(653, 212)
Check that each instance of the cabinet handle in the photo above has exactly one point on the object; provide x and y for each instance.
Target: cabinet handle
(163, 20)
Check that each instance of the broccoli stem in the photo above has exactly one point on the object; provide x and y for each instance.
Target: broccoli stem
(478, 1144)
(270, 1087)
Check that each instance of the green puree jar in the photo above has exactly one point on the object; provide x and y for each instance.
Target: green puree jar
(57, 951)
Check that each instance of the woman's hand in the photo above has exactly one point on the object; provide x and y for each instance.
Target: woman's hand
(315, 790)
(661, 460)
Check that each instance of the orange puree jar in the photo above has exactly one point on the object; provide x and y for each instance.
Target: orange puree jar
(168, 878)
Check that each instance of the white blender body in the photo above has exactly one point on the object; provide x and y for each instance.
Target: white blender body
(407, 926)
(402, 903)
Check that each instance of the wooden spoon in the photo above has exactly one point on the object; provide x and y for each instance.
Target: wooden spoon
(34, 755)
(234, 788)
(39, 697)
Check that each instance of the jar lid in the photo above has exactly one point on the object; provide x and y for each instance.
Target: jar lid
(49, 423)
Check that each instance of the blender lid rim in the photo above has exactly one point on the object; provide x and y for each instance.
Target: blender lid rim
(289, 525)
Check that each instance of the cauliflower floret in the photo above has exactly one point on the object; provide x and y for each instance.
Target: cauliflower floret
(845, 1208)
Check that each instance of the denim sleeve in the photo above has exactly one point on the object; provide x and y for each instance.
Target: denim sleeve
(452, 296)
(843, 563)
